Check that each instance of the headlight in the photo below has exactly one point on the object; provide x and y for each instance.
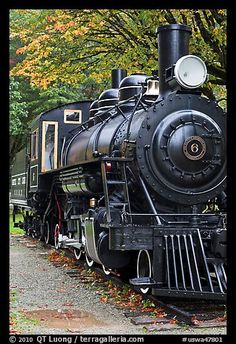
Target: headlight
(190, 71)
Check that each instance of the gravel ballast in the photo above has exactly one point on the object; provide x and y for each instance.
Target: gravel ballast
(40, 286)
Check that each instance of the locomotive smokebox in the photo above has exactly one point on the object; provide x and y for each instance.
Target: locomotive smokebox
(117, 75)
(173, 43)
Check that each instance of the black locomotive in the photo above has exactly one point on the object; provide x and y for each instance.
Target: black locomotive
(136, 180)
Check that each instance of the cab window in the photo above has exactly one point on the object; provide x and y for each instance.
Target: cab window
(49, 145)
(73, 116)
(34, 145)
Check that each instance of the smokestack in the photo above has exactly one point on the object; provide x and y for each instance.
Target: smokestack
(117, 75)
(173, 43)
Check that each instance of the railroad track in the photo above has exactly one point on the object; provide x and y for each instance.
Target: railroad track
(177, 312)
(154, 314)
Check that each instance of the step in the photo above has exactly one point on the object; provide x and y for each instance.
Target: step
(75, 217)
(114, 182)
(143, 282)
(118, 204)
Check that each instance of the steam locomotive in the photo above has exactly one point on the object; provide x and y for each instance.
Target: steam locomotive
(136, 180)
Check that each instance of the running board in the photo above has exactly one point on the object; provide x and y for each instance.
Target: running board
(143, 282)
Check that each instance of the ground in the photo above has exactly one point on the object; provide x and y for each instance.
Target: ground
(45, 300)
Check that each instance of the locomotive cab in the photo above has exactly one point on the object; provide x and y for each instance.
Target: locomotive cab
(34, 166)
(47, 137)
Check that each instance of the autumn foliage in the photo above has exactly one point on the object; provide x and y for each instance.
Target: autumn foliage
(60, 258)
(59, 56)
(70, 45)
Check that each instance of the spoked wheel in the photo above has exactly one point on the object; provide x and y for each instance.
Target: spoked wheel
(106, 270)
(144, 267)
(89, 261)
(40, 237)
(27, 232)
(35, 230)
(34, 234)
(57, 244)
(77, 253)
(47, 233)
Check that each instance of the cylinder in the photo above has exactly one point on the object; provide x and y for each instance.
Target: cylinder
(173, 43)
(117, 75)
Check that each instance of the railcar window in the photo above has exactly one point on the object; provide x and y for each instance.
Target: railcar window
(72, 116)
(34, 144)
(49, 146)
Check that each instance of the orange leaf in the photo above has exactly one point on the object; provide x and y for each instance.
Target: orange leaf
(104, 299)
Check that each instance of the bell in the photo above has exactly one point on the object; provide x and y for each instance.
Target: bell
(152, 88)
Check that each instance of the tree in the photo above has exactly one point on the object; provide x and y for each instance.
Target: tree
(18, 116)
(58, 56)
(69, 45)
(33, 98)
(27, 102)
